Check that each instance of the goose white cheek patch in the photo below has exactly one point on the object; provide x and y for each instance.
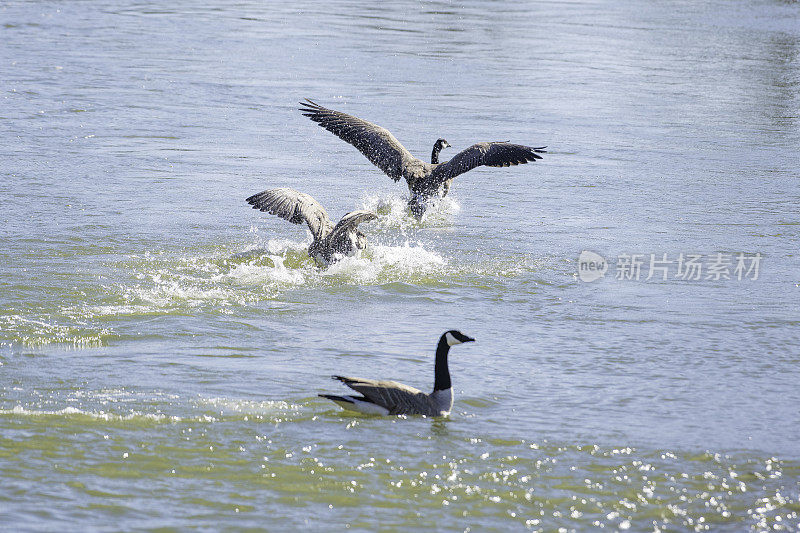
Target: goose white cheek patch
(451, 341)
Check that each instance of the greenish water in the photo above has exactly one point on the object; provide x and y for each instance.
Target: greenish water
(252, 464)
(162, 345)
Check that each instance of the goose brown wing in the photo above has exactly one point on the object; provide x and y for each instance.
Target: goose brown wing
(375, 142)
(397, 398)
(296, 207)
(490, 154)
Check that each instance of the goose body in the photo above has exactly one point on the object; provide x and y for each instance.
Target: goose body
(425, 180)
(376, 397)
(329, 240)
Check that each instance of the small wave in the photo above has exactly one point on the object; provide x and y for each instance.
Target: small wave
(73, 412)
(233, 407)
(270, 411)
(106, 396)
(181, 291)
(204, 410)
(35, 332)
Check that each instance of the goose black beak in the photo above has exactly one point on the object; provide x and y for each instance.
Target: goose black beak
(469, 339)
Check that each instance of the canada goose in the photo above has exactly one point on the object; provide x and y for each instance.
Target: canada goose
(392, 398)
(297, 207)
(425, 180)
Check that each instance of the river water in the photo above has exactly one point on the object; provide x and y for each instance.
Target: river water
(162, 344)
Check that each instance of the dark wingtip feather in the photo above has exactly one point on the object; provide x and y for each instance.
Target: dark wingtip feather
(254, 200)
(533, 153)
(257, 201)
(334, 397)
(310, 106)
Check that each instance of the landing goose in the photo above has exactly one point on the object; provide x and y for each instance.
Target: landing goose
(425, 180)
(392, 398)
(344, 238)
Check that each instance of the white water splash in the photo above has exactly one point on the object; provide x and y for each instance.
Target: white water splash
(392, 211)
(270, 268)
(162, 284)
(221, 279)
(379, 263)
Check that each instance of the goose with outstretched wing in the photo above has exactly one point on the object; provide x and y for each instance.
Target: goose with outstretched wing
(425, 180)
(329, 242)
(392, 398)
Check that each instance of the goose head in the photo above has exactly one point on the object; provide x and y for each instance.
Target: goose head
(437, 147)
(441, 143)
(454, 337)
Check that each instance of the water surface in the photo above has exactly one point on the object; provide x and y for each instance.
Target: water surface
(162, 345)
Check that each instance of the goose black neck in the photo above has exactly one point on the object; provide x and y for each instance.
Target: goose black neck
(441, 370)
(435, 154)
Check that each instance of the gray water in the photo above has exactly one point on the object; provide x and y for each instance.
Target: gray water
(162, 345)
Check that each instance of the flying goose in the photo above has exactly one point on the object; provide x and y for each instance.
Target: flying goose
(392, 398)
(297, 207)
(425, 180)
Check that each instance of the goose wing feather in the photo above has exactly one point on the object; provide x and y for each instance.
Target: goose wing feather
(375, 142)
(397, 398)
(296, 207)
(351, 221)
(490, 154)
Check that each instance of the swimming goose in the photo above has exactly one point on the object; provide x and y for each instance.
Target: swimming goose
(425, 180)
(297, 207)
(392, 398)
